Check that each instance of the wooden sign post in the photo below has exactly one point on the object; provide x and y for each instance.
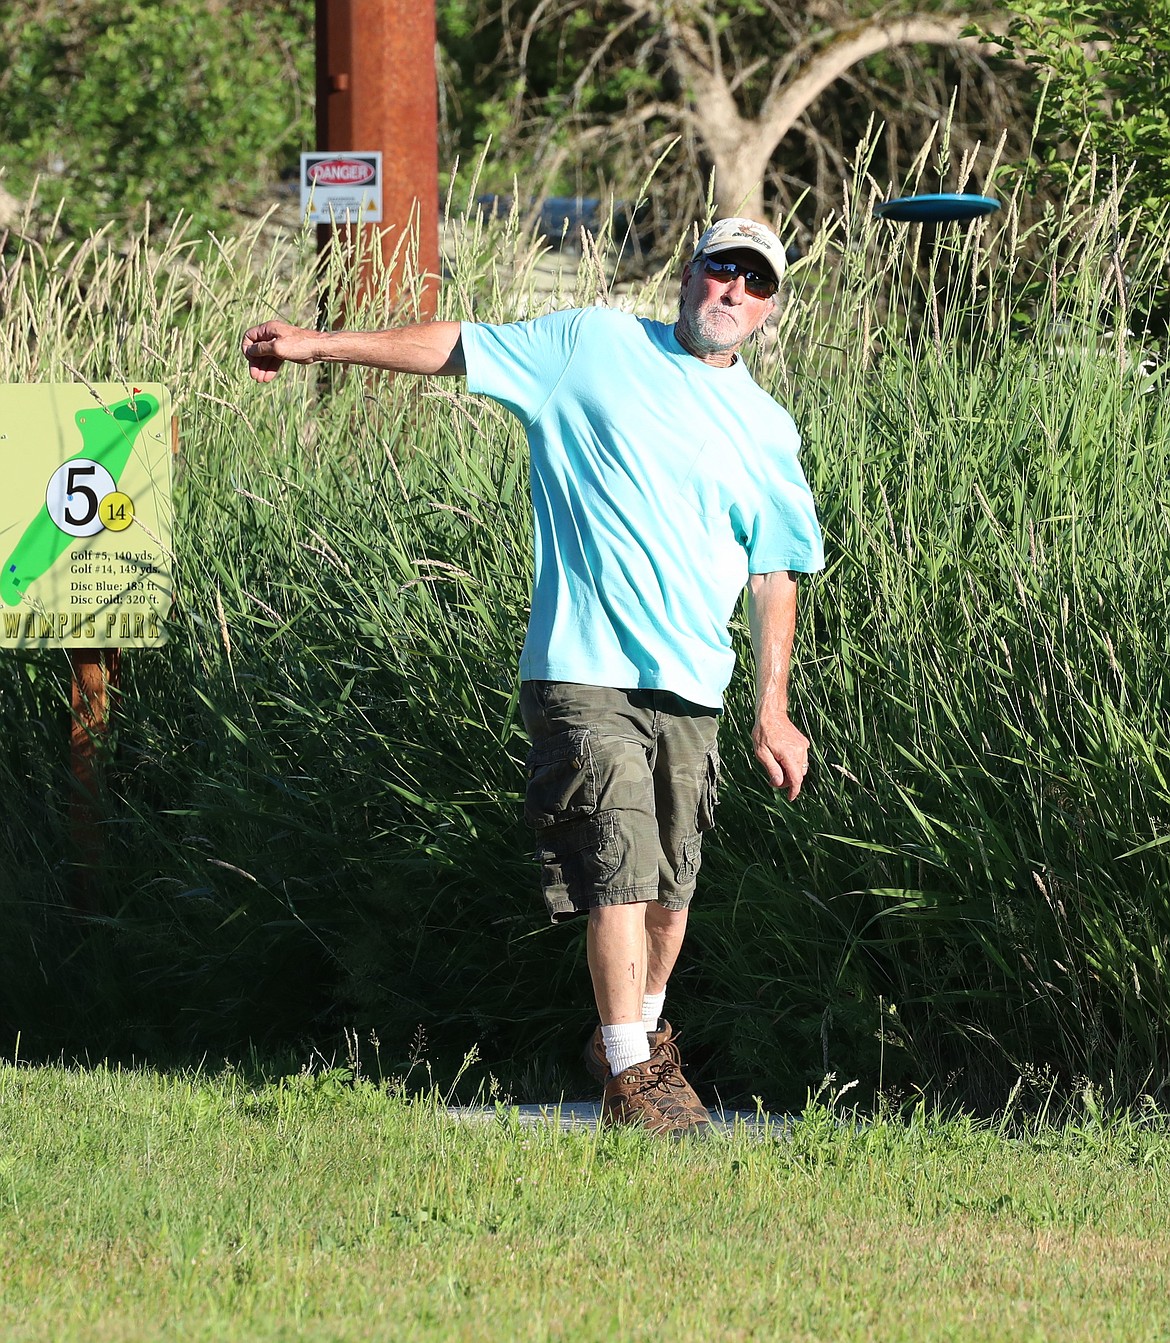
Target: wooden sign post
(96, 672)
(85, 526)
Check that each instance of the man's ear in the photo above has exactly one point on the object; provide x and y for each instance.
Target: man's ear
(769, 312)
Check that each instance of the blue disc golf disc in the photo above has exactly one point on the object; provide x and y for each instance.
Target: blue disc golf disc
(946, 205)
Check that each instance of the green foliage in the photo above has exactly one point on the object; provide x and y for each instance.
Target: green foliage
(198, 106)
(1103, 67)
(192, 106)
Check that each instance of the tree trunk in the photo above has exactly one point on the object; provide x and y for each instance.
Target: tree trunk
(739, 180)
(739, 154)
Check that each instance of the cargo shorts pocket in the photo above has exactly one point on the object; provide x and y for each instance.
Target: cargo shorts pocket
(562, 779)
(690, 850)
(690, 860)
(709, 792)
(578, 857)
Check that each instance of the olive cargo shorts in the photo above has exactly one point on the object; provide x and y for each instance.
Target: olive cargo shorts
(621, 786)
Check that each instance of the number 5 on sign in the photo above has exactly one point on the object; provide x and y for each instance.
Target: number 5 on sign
(72, 499)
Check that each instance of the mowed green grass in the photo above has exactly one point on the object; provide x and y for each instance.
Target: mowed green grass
(142, 1205)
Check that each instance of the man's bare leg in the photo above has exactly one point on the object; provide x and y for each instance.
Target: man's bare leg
(616, 942)
(665, 930)
(632, 951)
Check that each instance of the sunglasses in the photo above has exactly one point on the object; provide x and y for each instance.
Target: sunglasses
(760, 284)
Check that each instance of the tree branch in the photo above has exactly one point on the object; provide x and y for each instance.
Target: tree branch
(668, 111)
(786, 101)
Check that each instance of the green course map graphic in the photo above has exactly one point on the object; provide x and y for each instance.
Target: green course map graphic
(107, 438)
(85, 515)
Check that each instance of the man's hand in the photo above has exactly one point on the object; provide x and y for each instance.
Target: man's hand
(267, 346)
(782, 750)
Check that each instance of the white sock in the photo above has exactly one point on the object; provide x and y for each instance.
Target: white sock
(625, 1044)
(652, 1005)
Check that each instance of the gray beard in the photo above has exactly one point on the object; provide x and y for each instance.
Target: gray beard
(702, 336)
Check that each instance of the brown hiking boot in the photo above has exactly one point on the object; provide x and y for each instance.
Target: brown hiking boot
(662, 1046)
(655, 1096)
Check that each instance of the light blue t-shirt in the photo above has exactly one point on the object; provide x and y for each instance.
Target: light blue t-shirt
(658, 484)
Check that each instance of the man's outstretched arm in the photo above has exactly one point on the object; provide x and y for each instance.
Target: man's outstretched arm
(423, 347)
(781, 748)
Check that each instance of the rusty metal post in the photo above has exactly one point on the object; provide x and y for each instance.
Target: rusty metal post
(95, 672)
(376, 90)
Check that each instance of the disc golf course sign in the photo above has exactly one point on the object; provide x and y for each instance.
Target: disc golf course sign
(85, 516)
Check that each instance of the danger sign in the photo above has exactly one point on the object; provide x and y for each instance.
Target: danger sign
(341, 187)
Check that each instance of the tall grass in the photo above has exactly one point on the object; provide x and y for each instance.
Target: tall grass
(313, 813)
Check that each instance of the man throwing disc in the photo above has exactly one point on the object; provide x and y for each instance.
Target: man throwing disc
(663, 480)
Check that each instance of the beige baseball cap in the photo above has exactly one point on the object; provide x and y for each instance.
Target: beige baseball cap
(731, 235)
